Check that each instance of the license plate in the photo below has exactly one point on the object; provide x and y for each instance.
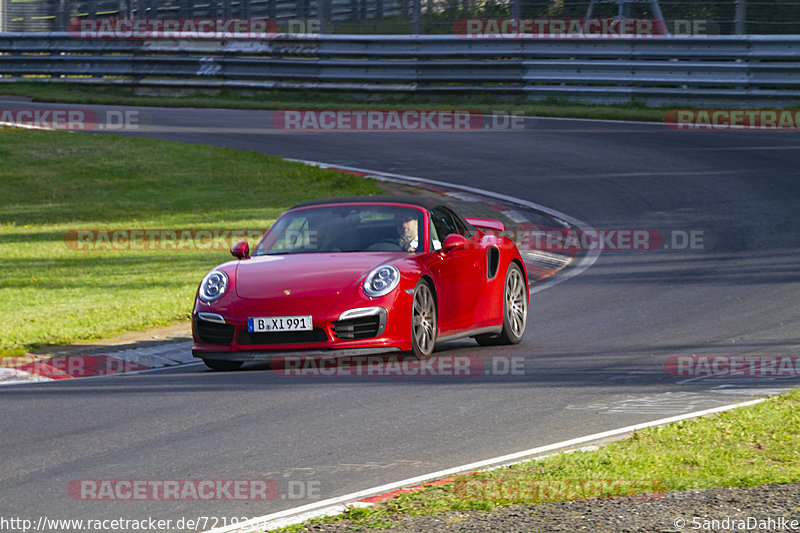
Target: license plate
(279, 323)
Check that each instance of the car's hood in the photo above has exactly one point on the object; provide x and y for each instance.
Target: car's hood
(305, 275)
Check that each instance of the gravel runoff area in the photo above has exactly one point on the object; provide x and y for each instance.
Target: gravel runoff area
(767, 508)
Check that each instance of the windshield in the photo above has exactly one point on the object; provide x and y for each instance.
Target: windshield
(346, 228)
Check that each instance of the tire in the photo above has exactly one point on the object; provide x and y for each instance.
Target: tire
(515, 310)
(218, 364)
(423, 321)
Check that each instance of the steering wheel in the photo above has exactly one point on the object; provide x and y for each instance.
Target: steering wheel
(385, 245)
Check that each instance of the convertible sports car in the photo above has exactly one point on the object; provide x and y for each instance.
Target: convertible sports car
(362, 275)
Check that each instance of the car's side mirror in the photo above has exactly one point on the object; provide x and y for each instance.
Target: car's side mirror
(241, 250)
(453, 242)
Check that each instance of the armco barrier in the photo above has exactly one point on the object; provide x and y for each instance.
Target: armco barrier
(737, 71)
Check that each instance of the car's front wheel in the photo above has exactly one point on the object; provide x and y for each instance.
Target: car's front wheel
(423, 320)
(515, 310)
(218, 364)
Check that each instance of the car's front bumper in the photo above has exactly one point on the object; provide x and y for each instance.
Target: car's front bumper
(222, 334)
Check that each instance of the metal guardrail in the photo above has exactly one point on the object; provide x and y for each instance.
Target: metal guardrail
(738, 71)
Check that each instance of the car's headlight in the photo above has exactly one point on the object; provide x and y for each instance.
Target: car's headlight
(381, 281)
(213, 286)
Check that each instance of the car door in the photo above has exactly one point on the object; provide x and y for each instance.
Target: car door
(459, 274)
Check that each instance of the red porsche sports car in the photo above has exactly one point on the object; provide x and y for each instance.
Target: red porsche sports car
(362, 275)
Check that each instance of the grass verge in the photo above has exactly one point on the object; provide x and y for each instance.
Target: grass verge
(82, 94)
(745, 447)
(54, 183)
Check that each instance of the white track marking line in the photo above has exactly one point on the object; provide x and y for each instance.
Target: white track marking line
(332, 505)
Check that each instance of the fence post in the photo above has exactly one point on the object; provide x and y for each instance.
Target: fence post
(416, 17)
(741, 17)
(62, 17)
(324, 11)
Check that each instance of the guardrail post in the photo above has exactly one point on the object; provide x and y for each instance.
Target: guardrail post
(516, 9)
(416, 17)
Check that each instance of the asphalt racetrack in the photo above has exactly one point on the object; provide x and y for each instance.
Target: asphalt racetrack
(594, 352)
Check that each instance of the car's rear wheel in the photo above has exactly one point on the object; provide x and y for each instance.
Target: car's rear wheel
(423, 320)
(218, 364)
(515, 310)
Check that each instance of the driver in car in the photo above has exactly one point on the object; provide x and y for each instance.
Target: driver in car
(408, 229)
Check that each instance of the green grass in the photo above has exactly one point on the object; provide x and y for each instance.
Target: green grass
(52, 183)
(82, 94)
(746, 447)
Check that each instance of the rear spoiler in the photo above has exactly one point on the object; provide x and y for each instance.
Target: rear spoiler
(486, 223)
